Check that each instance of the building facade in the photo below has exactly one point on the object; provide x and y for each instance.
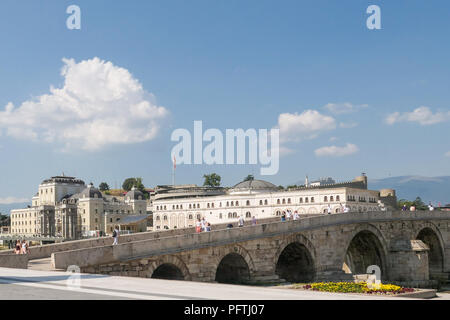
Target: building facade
(66, 207)
(181, 206)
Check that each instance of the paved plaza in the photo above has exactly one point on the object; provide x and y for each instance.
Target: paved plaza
(43, 285)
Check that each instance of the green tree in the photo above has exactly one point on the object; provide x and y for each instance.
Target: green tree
(103, 186)
(280, 187)
(4, 220)
(249, 177)
(129, 183)
(211, 180)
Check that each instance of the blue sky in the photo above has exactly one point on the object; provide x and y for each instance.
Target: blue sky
(231, 64)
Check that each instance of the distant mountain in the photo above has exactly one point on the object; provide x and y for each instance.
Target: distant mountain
(434, 189)
(6, 208)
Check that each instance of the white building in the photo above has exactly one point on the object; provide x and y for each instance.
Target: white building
(181, 206)
(66, 207)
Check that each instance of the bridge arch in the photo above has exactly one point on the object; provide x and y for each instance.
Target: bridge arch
(233, 265)
(169, 268)
(295, 259)
(432, 237)
(365, 246)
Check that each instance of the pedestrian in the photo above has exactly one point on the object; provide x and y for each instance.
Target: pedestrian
(24, 247)
(241, 221)
(346, 209)
(18, 247)
(283, 217)
(412, 208)
(208, 227)
(229, 226)
(203, 224)
(296, 216)
(116, 236)
(329, 209)
(198, 226)
(404, 207)
(254, 221)
(430, 207)
(289, 215)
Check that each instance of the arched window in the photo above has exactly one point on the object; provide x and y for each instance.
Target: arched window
(157, 218)
(260, 202)
(173, 207)
(220, 215)
(312, 199)
(265, 202)
(237, 203)
(165, 207)
(234, 214)
(306, 200)
(289, 200)
(284, 201)
(212, 205)
(198, 205)
(248, 202)
(181, 206)
(301, 200)
(248, 215)
(232, 203)
(338, 198)
(278, 213)
(278, 201)
(230, 215)
(165, 218)
(325, 199)
(190, 217)
(331, 198)
(198, 216)
(228, 204)
(207, 205)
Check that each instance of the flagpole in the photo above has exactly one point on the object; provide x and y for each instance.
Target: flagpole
(173, 170)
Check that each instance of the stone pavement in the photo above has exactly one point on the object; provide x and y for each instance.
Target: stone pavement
(35, 284)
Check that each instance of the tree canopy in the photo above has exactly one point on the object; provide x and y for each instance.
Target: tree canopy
(249, 178)
(418, 203)
(103, 186)
(211, 180)
(129, 183)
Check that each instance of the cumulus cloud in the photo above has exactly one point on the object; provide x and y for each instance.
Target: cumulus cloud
(334, 151)
(98, 105)
(308, 124)
(346, 107)
(422, 115)
(12, 200)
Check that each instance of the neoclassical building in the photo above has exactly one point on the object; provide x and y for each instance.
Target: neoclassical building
(180, 206)
(67, 207)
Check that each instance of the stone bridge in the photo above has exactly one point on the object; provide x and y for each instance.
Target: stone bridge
(411, 248)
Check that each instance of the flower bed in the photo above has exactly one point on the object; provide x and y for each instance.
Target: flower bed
(351, 287)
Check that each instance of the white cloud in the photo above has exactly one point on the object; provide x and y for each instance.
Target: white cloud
(308, 124)
(422, 115)
(447, 154)
(99, 104)
(348, 125)
(12, 200)
(334, 139)
(334, 151)
(346, 107)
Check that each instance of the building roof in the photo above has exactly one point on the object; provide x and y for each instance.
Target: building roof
(135, 194)
(63, 179)
(89, 192)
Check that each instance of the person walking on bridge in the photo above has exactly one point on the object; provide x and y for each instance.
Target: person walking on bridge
(116, 236)
(241, 221)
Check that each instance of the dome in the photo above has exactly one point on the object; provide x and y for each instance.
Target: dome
(254, 185)
(134, 194)
(89, 192)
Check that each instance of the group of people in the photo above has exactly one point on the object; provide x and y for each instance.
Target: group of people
(413, 207)
(202, 225)
(21, 247)
(288, 215)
